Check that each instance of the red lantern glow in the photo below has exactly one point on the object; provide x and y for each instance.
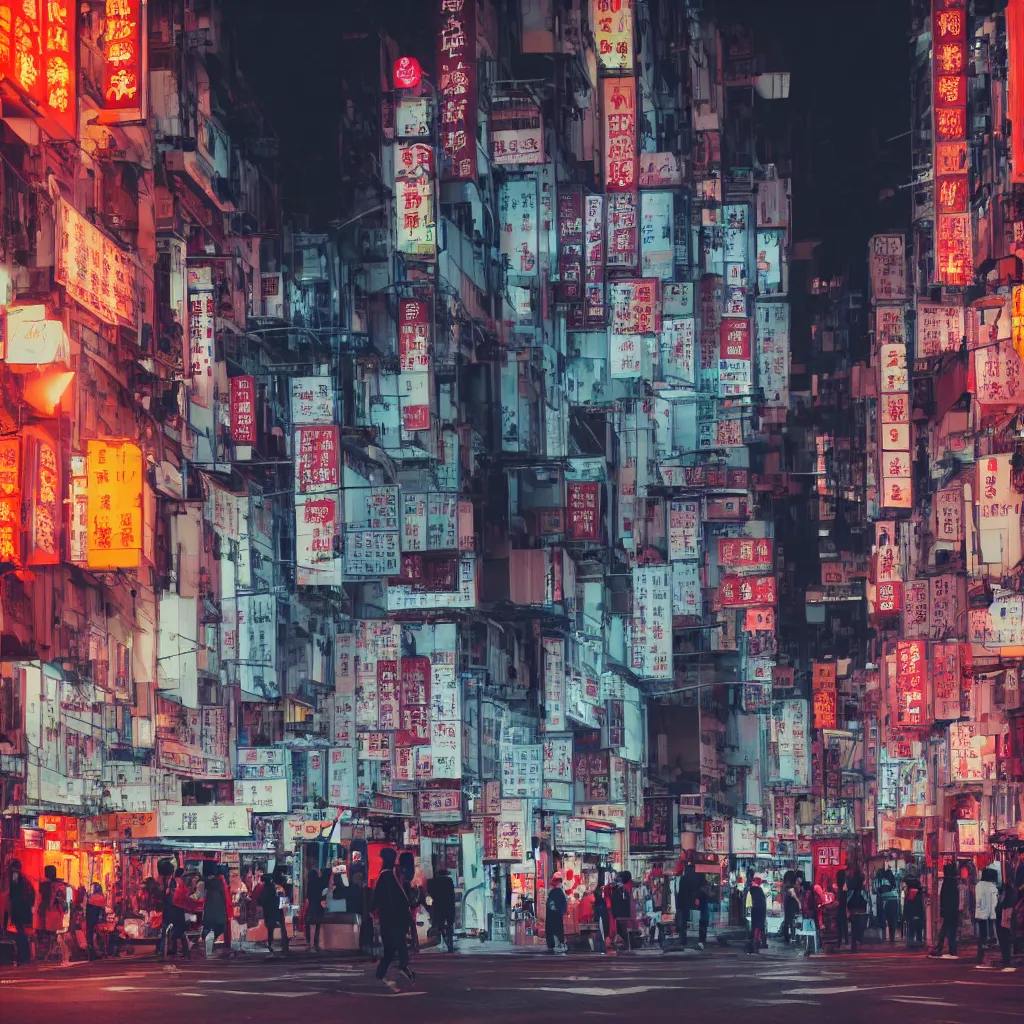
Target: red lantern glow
(408, 73)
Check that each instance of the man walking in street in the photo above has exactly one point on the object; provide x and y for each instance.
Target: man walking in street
(394, 915)
(758, 916)
(21, 899)
(554, 921)
(857, 906)
(949, 911)
(686, 900)
(441, 889)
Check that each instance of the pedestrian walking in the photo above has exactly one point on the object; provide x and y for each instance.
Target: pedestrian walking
(391, 905)
(686, 900)
(359, 900)
(811, 909)
(554, 921)
(888, 904)
(913, 911)
(1004, 924)
(316, 889)
(406, 873)
(602, 918)
(95, 913)
(53, 906)
(622, 908)
(949, 912)
(758, 916)
(441, 890)
(986, 899)
(274, 899)
(857, 907)
(215, 906)
(21, 901)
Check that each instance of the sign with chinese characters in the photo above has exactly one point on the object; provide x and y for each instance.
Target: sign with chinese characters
(734, 358)
(114, 504)
(744, 553)
(554, 684)
(746, 591)
(584, 511)
(887, 262)
(414, 363)
(312, 400)
(678, 348)
(618, 105)
(570, 243)
(939, 329)
(998, 512)
(652, 622)
(200, 821)
(946, 681)
(415, 221)
(894, 402)
(623, 233)
(264, 796)
(317, 541)
(683, 530)
(954, 244)
(43, 491)
(517, 135)
(96, 273)
(316, 459)
(122, 73)
(771, 328)
(635, 306)
(243, 410)
(517, 217)
(511, 842)
(949, 514)
(911, 675)
(593, 261)
(10, 500)
(456, 88)
(201, 327)
(38, 54)
(612, 24)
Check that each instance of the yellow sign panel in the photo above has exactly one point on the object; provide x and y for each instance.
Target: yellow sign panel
(114, 504)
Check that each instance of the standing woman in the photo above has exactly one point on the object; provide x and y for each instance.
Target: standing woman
(602, 915)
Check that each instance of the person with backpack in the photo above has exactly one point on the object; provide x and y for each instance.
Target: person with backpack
(53, 906)
(21, 900)
(857, 903)
(811, 908)
(556, 907)
(949, 912)
(622, 908)
(394, 916)
(913, 911)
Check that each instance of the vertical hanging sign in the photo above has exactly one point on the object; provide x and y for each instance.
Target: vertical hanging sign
(243, 410)
(954, 250)
(612, 23)
(456, 88)
(414, 364)
(122, 56)
(618, 103)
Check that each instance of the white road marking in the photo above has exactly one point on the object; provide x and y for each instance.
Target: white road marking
(919, 1000)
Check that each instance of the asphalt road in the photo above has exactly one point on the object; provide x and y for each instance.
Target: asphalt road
(522, 987)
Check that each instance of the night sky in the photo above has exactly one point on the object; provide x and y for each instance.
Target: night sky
(849, 98)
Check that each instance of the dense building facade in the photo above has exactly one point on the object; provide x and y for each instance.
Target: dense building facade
(475, 520)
